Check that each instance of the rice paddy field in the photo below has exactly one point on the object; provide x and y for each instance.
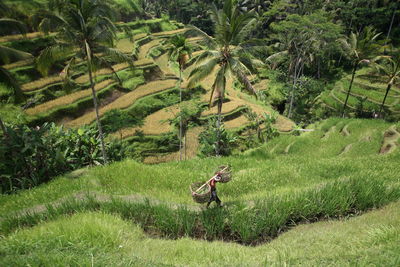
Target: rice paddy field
(368, 89)
(327, 197)
(124, 88)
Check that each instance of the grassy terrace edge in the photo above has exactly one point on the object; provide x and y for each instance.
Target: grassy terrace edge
(246, 224)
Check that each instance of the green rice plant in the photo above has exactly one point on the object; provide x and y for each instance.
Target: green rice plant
(213, 223)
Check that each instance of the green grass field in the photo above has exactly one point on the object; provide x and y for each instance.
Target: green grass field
(304, 200)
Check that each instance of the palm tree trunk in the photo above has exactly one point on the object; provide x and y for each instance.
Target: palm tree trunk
(217, 148)
(384, 99)
(391, 25)
(348, 92)
(180, 119)
(3, 128)
(103, 149)
(293, 88)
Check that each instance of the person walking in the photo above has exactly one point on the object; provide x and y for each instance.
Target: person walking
(214, 196)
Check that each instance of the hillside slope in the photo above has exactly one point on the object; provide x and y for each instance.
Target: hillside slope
(339, 170)
(152, 77)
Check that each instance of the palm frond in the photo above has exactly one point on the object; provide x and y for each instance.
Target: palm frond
(8, 55)
(10, 26)
(7, 78)
(199, 59)
(219, 85)
(52, 54)
(114, 54)
(202, 71)
(208, 40)
(239, 69)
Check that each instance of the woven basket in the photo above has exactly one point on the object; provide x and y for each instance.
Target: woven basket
(226, 175)
(200, 197)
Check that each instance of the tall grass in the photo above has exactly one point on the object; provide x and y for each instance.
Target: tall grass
(245, 223)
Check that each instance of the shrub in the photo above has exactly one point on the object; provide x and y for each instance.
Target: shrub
(31, 156)
(215, 139)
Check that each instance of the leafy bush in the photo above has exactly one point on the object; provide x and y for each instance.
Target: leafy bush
(31, 156)
(216, 141)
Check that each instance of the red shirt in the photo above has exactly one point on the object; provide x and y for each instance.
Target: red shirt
(212, 183)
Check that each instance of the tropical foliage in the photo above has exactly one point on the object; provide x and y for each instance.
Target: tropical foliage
(84, 31)
(31, 156)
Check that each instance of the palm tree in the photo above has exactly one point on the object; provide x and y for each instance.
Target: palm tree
(84, 30)
(390, 68)
(179, 51)
(6, 55)
(227, 53)
(361, 48)
(9, 54)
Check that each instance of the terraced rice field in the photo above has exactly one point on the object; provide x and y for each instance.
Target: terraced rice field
(144, 49)
(365, 85)
(41, 83)
(126, 100)
(154, 124)
(117, 67)
(18, 64)
(192, 147)
(261, 85)
(167, 33)
(226, 108)
(125, 46)
(236, 123)
(68, 99)
(163, 62)
(16, 37)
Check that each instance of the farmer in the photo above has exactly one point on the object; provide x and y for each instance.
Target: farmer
(212, 184)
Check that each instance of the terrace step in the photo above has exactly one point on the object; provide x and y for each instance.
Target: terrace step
(192, 147)
(126, 100)
(390, 140)
(68, 99)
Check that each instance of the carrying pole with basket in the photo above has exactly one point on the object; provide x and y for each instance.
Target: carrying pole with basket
(197, 187)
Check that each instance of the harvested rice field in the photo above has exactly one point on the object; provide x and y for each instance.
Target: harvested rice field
(236, 123)
(154, 124)
(68, 99)
(144, 49)
(188, 152)
(41, 83)
(126, 100)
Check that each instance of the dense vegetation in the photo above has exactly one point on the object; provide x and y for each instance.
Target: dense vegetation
(287, 182)
(301, 98)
